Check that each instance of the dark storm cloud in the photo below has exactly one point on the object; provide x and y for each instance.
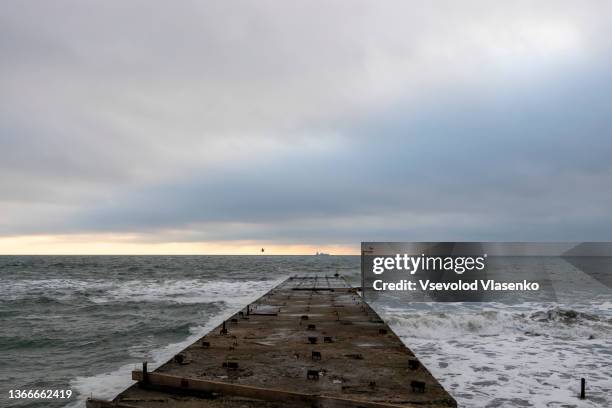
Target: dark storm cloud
(284, 123)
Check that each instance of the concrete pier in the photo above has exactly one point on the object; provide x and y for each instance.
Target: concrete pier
(311, 341)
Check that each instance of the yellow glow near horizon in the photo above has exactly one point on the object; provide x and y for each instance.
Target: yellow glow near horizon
(111, 244)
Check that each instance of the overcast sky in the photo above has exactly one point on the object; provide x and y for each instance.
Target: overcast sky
(146, 126)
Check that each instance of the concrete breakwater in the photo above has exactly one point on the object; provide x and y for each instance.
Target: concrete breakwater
(311, 341)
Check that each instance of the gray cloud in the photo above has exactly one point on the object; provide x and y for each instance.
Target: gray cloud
(305, 123)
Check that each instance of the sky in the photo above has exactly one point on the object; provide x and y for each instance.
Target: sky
(215, 127)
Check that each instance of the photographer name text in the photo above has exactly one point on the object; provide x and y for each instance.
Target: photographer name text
(475, 285)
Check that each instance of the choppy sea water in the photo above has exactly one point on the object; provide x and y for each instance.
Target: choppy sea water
(83, 323)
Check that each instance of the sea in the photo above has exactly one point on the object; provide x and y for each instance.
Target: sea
(83, 323)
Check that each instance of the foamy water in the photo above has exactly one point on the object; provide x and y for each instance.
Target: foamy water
(493, 355)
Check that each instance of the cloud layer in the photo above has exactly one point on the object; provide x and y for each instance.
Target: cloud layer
(311, 123)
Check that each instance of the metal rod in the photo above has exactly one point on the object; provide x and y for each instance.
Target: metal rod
(145, 374)
(362, 274)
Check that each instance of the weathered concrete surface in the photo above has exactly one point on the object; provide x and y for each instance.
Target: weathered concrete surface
(361, 360)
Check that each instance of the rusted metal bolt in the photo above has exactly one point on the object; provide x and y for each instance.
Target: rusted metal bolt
(312, 375)
(417, 386)
(206, 344)
(230, 365)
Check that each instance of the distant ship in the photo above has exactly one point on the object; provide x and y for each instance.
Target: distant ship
(321, 254)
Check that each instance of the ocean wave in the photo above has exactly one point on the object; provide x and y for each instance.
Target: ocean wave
(16, 343)
(15, 289)
(456, 320)
(110, 291)
(567, 316)
(184, 291)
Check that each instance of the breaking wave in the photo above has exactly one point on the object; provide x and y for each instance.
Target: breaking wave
(106, 291)
(457, 320)
(530, 355)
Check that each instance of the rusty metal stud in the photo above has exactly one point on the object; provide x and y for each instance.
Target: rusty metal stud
(312, 375)
(230, 365)
(417, 386)
(206, 344)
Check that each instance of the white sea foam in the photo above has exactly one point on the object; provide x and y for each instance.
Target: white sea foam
(500, 356)
(235, 295)
(605, 306)
(184, 291)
